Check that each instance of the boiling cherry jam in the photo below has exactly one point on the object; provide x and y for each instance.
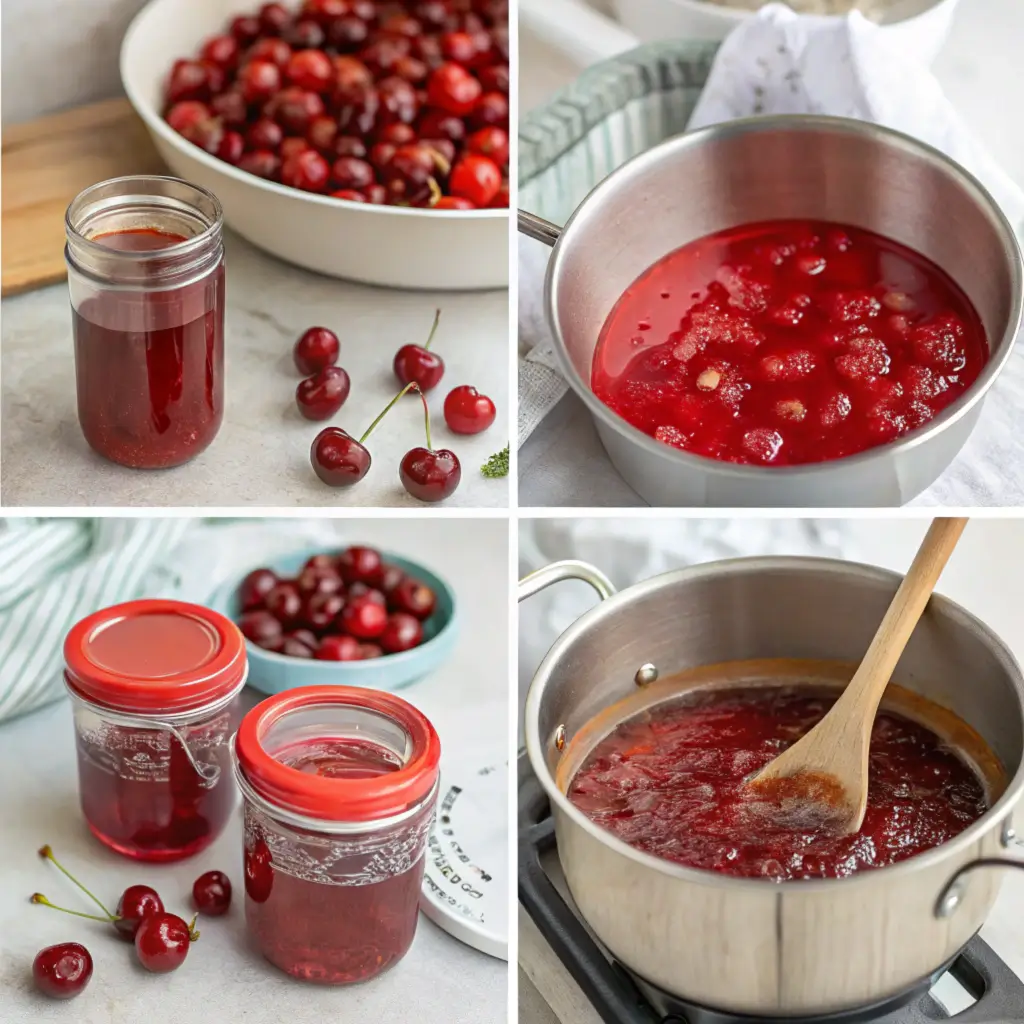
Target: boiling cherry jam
(787, 342)
(340, 786)
(154, 688)
(148, 319)
(670, 782)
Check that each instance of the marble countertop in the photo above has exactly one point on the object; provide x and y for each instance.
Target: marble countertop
(440, 981)
(261, 455)
(563, 462)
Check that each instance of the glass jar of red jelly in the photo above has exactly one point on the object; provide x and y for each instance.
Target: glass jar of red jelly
(339, 786)
(145, 260)
(155, 686)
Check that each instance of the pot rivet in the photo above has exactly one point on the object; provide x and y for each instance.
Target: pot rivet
(1009, 835)
(560, 738)
(645, 675)
(949, 903)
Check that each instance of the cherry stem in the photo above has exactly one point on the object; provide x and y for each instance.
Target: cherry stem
(386, 410)
(426, 416)
(47, 854)
(38, 897)
(433, 330)
(192, 933)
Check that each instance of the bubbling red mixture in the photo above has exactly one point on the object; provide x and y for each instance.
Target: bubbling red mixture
(671, 783)
(334, 934)
(787, 342)
(150, 365)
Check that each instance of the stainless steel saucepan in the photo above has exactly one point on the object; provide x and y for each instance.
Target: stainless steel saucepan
(770, 168)
(748, 946)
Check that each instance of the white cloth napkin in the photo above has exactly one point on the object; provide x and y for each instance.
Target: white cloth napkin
(780, 62)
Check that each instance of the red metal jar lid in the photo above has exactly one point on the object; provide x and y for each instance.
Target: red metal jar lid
(155, 656)
(338, 799)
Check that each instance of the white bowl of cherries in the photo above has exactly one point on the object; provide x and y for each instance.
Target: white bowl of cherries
(362, 139)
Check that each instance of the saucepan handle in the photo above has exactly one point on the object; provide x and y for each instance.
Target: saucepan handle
(539, 228)
(567, 570)
(952, 894)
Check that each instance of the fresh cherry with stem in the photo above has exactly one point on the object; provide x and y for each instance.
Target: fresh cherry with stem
(136, 902)
(211, 893)
(427, 474)
(417, 364)
(62, 971)
(338, 459)
(162, 942)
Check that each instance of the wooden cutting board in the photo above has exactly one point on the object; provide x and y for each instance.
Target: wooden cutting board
(46, 163)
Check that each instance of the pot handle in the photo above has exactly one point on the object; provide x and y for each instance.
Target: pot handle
(952, 895)
(570, 569)
(539, 228)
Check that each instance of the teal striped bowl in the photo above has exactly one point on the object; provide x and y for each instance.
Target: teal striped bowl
(273, 673)
(614, 111)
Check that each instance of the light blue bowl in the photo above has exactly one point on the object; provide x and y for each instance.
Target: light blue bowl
(274, 673)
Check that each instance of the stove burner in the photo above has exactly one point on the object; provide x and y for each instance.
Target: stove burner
(620, 997)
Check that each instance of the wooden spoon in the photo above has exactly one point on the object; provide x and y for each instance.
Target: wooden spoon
(830, 764)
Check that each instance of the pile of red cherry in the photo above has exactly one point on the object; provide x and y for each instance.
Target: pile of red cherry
(161, 939)
(340, 460)
(370, 101)
(350, 606)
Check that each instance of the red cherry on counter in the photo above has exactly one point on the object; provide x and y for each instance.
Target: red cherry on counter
(211, 893)
(62, 971)
(338, 459)
(317, 349)
(417, 364)
(322, 395)
(466, 411)
(136, 903)
(162, 942)
(430, 475)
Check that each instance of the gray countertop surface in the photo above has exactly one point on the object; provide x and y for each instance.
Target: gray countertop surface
(440, 981)
(261, 455)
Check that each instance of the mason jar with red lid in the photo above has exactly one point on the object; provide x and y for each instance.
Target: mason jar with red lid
(339, 787)
(155, 688)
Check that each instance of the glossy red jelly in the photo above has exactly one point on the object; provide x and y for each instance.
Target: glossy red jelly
(146, 274)
(154, 687)
(336, 821)
(154, 397)
(670, 782)
(787, 342)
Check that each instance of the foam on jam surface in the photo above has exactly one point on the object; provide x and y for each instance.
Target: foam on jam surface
(787, 342)
(362, 922)
(670, 782)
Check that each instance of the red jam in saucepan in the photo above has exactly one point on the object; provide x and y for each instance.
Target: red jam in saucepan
(670, 782)
(340, 789)
(787, 342)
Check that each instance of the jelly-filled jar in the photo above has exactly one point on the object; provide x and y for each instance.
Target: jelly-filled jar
(339, 787)
(145, 259)
(154, 686)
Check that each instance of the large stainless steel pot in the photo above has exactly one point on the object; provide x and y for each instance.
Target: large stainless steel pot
(744, 945)
(769, 168)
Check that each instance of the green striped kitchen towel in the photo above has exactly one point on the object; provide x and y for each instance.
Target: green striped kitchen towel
(55, 571)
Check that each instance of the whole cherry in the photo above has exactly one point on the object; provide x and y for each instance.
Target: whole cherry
(211, 893)
(319, 397)
(317, 349)
(427, 474)
(255, 587)
(162, 942)
(259, 871)
(136, 903)
(414, 597)
(322, 610)
(390, 577)
(402, 633)
(260, 626)
(338, 459)
(360, 564)
(364, 618)
(417, 364)
(338, 648)
(62, 971)
(466, 411)
(284, 602)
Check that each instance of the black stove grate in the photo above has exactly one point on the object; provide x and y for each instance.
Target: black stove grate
(621, 998)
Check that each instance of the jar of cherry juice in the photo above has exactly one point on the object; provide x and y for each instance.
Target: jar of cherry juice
(339, 786)
(145, 259)
(154, 687)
